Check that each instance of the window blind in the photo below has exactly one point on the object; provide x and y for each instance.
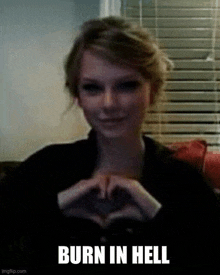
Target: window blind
(189, 31)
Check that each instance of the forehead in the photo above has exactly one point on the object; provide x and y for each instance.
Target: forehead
(95, 67)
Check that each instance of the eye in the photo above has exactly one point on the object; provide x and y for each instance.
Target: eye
(92, 88)
(129, 86)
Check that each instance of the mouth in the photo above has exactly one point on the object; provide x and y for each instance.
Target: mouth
(112, 120)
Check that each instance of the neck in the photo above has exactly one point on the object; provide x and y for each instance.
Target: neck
(122, 156)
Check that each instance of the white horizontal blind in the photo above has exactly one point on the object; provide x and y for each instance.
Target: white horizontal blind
(189, 30)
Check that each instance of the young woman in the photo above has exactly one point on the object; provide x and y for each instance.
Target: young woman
(118, 187)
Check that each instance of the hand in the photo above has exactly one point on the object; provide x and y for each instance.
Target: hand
(140, 198)
(78, 199)
(82, 188)
(88, 199)
(105, 198)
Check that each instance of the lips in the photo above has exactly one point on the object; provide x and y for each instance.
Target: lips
(112, 120)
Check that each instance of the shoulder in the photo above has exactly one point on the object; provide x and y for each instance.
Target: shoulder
(55, 166)
(57, 154)
(173, 174)
(165, 157)
(159, 157)
(61, 150)
(179, 186)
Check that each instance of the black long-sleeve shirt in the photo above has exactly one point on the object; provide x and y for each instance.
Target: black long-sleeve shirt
(33, 226)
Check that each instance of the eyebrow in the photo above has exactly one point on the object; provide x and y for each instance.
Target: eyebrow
(89, 79)
(123, 78)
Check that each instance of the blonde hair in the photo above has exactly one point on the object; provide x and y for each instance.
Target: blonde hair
(122, 43)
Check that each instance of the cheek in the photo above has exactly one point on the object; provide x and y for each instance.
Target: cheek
(89, 109)
(86, 104)
(141, 103)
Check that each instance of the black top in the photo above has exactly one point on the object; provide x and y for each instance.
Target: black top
(33, 226)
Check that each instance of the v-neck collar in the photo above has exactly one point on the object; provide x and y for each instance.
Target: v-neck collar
(154, 152)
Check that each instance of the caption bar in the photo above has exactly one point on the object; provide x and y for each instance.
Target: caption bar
(115, 255)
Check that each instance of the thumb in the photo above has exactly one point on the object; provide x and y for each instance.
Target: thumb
(112, 185)
(103, 183)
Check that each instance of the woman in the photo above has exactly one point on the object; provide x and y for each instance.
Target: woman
(117, 187)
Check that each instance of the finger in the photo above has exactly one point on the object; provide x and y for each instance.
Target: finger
(112, 186)
(81, 189)
(128, 212)
(86, 186)
(102, 184)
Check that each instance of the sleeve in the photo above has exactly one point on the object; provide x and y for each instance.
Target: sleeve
(189, 220)
(28, 205)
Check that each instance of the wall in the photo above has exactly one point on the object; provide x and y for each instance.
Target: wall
(35, 37)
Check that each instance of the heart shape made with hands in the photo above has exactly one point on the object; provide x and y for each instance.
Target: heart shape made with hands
(105, 202)
(116, 201)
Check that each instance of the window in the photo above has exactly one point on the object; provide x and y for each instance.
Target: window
(189, 30)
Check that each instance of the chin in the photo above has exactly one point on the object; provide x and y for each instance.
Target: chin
(112, 134)
(116, 133)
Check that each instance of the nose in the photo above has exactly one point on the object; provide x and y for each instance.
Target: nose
(110, 99)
